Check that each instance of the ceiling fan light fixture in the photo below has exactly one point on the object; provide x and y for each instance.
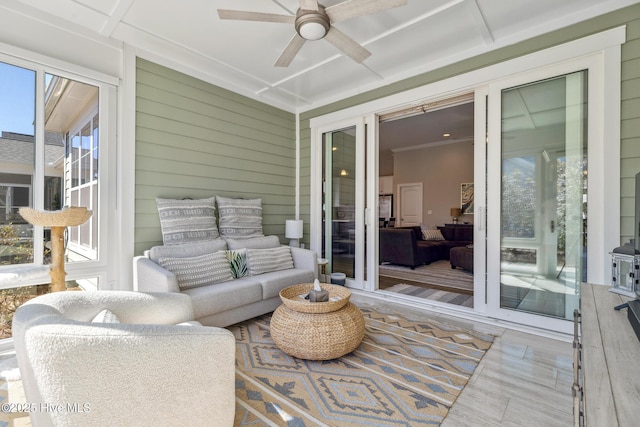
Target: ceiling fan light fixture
(312, 31)
(312, 24)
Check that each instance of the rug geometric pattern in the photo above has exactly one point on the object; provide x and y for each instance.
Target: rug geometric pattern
(464, 300)
(405, 373)
(437, 273)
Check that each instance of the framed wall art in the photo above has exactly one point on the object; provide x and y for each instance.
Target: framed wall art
(385, 206)
(466, 198)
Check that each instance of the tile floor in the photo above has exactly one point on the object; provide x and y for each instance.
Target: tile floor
(523, 380)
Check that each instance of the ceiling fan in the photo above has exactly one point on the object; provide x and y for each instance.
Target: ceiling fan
(313, 21)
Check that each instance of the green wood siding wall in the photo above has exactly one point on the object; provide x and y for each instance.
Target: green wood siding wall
(197, 140)
(630, 126)
(630, 115)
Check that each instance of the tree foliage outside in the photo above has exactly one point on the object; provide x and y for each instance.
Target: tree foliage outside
(519, 205)
(14, 250)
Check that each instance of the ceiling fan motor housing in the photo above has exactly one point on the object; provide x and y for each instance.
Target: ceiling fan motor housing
(312, 24)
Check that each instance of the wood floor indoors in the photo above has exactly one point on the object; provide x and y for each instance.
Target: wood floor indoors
(427, 280)
(385, 282)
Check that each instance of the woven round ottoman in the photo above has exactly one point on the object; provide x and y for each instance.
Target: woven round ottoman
(317, 330)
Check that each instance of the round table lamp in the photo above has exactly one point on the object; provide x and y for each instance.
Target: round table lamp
(293, 231)
(455, 213)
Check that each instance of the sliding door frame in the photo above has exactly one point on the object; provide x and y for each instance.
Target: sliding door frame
(317, 189)
(595, 129)
(604, 203)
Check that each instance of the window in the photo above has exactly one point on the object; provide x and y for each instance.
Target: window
(51, 124)
(70, 164)
(82, 160)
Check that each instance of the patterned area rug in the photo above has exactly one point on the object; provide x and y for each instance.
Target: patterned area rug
(405, 373)
(464, 300)
(437, 273)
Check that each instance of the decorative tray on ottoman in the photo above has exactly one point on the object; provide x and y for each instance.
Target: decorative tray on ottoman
(293, 298)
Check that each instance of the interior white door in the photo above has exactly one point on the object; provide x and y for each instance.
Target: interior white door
(409, 204)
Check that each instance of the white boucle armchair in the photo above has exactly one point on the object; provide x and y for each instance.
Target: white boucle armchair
(147, 370)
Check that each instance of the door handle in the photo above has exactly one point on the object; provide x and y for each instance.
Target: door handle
(481, 218)
(553, 226)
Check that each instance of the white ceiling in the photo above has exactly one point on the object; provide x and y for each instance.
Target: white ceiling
(238, 55)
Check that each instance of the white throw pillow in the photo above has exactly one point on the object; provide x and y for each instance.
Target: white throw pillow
(203, 270)
(240, 218)
(186, 250)
(265, 260)
(187, 220)
(105, 316)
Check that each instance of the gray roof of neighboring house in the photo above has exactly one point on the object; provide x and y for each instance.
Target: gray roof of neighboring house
(18, 148)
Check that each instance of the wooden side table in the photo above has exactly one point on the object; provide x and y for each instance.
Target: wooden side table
(322, 263)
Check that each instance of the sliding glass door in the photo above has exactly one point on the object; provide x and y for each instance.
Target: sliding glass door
(538, 174)
(343, 199)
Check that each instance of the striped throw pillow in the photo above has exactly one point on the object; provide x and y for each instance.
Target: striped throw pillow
(240, 218)
(203, 270)
(265, 260)
(188, 220)
(432, 235)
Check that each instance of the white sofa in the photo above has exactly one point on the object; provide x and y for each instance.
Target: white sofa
(143, 371)
(229, 302)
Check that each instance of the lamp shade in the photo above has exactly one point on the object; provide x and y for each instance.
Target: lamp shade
(293, 229)
(455, 212)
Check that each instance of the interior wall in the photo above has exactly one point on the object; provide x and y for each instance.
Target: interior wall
(197, 140)
(385, 163)
(441, 169)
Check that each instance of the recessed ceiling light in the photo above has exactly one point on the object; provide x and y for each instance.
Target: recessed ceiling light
(446, 134)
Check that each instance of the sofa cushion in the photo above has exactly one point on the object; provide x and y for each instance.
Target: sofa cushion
(275, 281)
(203, 270)
(187, 220)
(449, 233)
(240, 218)
(464, 234)
(225, 296)
(186, 249)
(238, 262)
(262, 242)
(262, 261)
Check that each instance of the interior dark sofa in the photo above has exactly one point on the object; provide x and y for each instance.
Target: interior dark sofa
(406, 245)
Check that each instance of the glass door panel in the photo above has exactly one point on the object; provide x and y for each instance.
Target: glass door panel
(543, 195)
(339, 200)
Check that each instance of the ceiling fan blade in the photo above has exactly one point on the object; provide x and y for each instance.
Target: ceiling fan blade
(351, 9)
(290, 51)
(347, 45)
(309, 4)
(241, 15)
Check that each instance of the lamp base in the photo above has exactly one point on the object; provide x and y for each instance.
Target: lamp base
(295, 243)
